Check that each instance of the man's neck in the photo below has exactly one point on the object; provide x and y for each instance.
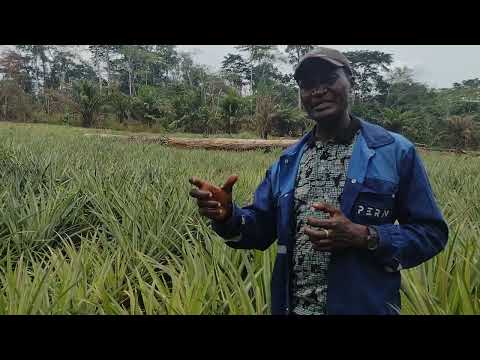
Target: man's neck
(328, 134)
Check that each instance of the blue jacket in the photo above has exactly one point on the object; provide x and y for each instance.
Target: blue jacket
(386, 181)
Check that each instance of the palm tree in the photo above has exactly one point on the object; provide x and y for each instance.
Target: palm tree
(398, 121)
(461, 131)
(264, 112)
(88, 100)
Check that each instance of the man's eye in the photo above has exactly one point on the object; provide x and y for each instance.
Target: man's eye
(313, 83)
(307, 85)
(331, 79)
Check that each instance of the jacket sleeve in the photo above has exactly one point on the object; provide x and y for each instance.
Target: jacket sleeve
(422, 231)
(252, 226)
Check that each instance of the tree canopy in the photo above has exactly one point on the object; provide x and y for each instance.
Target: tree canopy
(165, 89)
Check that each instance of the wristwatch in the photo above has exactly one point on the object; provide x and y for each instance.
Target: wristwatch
(372, 238)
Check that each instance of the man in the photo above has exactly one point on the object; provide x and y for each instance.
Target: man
(332, 200)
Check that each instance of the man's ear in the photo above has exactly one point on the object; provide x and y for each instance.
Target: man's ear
(352, 81)
(351, 97)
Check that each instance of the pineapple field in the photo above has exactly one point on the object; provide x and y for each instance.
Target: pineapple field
(95, 225)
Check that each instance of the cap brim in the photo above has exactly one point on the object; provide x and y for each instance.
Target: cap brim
(299, 70)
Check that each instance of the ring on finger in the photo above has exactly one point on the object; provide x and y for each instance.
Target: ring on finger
(327, 233)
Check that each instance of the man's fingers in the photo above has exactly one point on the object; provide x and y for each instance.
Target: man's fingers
(324, 207)
(315, 235)
(196, 181)
(228, 186)
(211, 213)
(200, 194)
(208, 204)
(327, 224)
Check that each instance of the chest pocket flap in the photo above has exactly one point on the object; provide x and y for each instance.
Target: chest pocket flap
(376, 203)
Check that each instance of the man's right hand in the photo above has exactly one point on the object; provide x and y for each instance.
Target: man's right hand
(214, 202)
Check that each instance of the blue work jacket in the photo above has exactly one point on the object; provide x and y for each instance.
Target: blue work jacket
(386, 186)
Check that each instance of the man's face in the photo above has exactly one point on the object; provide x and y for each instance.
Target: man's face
(324, 92)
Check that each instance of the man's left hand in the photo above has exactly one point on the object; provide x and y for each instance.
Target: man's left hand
(335, 233)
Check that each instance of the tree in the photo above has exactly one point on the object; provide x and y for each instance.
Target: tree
(80, 71)
(65, 67)
(266, 107)
(13, 66)
(156, 108)
(138, 65)
(398, 121)
(462, 132)
(231, 105)
(88, 100)
(38, 58)
(402, 74)
(102, 60)
(15, 104)
(290, 121)
(368, 69)
(296, 52)
(163, 63)
(96, 51)
(266, 74)
(128, 64)
(469, 84)
(235, 70)
(461, 100)
(408, 95)
(121, 104)
(258, 54)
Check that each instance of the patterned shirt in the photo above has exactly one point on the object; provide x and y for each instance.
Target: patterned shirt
(321, 178)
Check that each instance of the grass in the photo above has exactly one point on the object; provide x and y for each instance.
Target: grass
(450, 283)
(92, 225)
(128, 129)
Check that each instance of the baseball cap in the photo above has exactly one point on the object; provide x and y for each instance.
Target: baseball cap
(331, 56)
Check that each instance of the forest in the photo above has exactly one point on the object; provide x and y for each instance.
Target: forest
(159, 88)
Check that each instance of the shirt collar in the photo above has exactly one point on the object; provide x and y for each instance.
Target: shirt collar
(344, 138)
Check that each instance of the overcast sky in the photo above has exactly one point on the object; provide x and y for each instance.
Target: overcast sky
(435, 65)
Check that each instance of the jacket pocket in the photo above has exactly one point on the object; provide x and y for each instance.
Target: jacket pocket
(374, 208)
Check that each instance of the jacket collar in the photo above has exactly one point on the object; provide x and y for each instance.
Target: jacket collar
(375, 136)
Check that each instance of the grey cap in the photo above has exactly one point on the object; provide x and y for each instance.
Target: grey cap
(332, 56)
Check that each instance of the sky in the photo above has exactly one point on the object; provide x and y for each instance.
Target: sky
(436, 65)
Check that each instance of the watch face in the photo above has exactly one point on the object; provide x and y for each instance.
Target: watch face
(372, 241)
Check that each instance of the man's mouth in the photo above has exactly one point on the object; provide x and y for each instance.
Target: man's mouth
(322, 106)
